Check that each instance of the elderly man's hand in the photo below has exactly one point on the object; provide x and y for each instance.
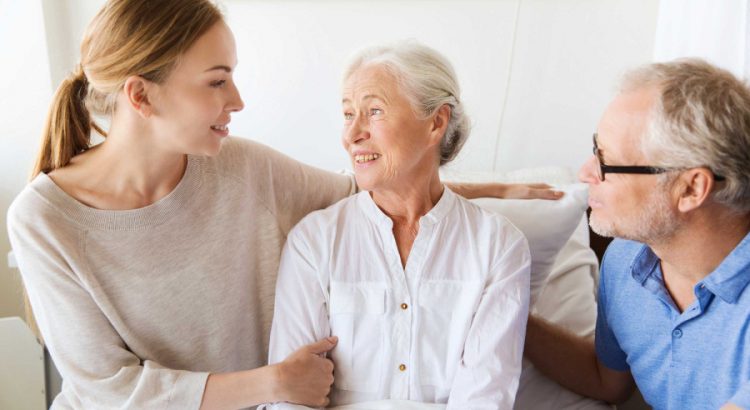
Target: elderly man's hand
(507, 191)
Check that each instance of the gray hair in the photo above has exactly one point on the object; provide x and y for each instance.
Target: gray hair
(701, 119)
(428, 81)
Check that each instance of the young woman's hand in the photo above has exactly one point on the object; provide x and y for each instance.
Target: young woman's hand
(305, 377)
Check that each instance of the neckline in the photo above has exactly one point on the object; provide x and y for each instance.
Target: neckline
(433, 216)
(130, 219)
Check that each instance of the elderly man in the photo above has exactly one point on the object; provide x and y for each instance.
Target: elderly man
(670, 175)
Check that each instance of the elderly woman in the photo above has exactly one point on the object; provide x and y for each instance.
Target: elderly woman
(426, 292)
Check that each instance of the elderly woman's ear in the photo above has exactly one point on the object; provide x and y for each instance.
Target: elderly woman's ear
(440, 120)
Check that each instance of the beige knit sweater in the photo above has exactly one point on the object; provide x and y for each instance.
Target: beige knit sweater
(136, 307)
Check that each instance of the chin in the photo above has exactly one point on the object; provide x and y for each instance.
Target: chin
(365, 183)
(602, 228)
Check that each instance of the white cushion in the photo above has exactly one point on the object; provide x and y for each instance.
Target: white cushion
(546, 224)
(568, 297)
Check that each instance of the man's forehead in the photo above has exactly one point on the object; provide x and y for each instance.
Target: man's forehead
(625, 120)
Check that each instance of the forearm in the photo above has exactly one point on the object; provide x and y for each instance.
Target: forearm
(241, 389)
(571, 361)
(506, 191)
(476, 190)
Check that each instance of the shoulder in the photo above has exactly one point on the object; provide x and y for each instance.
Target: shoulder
(39, 229)
(34, 206)
(318, 225)
(238, 154)
(486, 223)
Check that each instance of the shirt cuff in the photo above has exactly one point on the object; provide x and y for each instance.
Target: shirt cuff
(188, 390)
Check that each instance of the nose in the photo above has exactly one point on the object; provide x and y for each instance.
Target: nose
(356, 132)
(587, 173)
(235, 102)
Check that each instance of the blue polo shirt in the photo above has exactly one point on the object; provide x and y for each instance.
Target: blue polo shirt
(697, 359)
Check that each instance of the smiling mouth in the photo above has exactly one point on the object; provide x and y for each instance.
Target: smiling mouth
(219, 127)
(361, 159)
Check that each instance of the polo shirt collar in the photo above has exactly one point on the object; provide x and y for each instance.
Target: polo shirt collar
(727, 281)
(732, 275)
(644, 265)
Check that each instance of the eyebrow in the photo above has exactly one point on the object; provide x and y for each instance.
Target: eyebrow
(366, 97)
(598, 146)
(220, 67)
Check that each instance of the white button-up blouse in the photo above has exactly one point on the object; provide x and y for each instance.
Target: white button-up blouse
(447, 328)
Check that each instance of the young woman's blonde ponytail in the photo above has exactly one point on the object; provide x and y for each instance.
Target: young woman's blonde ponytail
(67, 130)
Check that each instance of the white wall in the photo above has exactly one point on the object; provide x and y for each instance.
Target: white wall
(536, 74)
(25, 91)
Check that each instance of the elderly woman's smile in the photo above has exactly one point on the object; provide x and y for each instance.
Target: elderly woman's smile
(389, 143)
(364, 158)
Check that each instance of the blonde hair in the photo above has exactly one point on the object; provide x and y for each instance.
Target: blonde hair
(429, 81)
(125, 38)
(701, 119)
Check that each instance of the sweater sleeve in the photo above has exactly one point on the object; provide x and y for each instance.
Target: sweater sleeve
(98, 369)
(291, 189)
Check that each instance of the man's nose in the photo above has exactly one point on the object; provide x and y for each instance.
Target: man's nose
(588, 173)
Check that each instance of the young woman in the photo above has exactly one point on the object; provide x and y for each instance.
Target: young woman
(150, 259)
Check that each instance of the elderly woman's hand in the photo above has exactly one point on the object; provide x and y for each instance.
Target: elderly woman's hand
(507, 191)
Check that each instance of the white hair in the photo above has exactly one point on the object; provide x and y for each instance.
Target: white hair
(701, 119)
(428, 80)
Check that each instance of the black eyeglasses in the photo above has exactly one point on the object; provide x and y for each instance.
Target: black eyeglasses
(603, 169)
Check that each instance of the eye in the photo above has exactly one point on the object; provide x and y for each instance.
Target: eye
(375, 111)
(348, 116)
(218, 83)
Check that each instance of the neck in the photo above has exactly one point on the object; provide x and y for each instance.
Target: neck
(701, 244)
(411, 200)
(405, 205)
(129, 169)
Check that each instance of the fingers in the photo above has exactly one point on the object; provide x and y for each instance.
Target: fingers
(545, 193)
(322, 345)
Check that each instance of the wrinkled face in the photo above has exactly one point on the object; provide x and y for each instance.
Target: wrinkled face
(631, 206)
(385, 139)
(192, 108)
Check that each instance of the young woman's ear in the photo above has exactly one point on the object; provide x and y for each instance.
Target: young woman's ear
(136, 90)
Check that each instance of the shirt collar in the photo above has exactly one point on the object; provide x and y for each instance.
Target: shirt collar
(644, 265)
(732, 275)
(435, 215)
(727, 281)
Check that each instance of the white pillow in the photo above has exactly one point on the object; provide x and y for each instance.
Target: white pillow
(567, 298)
(546, 224)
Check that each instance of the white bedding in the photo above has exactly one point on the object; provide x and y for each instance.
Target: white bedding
(390, 405)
